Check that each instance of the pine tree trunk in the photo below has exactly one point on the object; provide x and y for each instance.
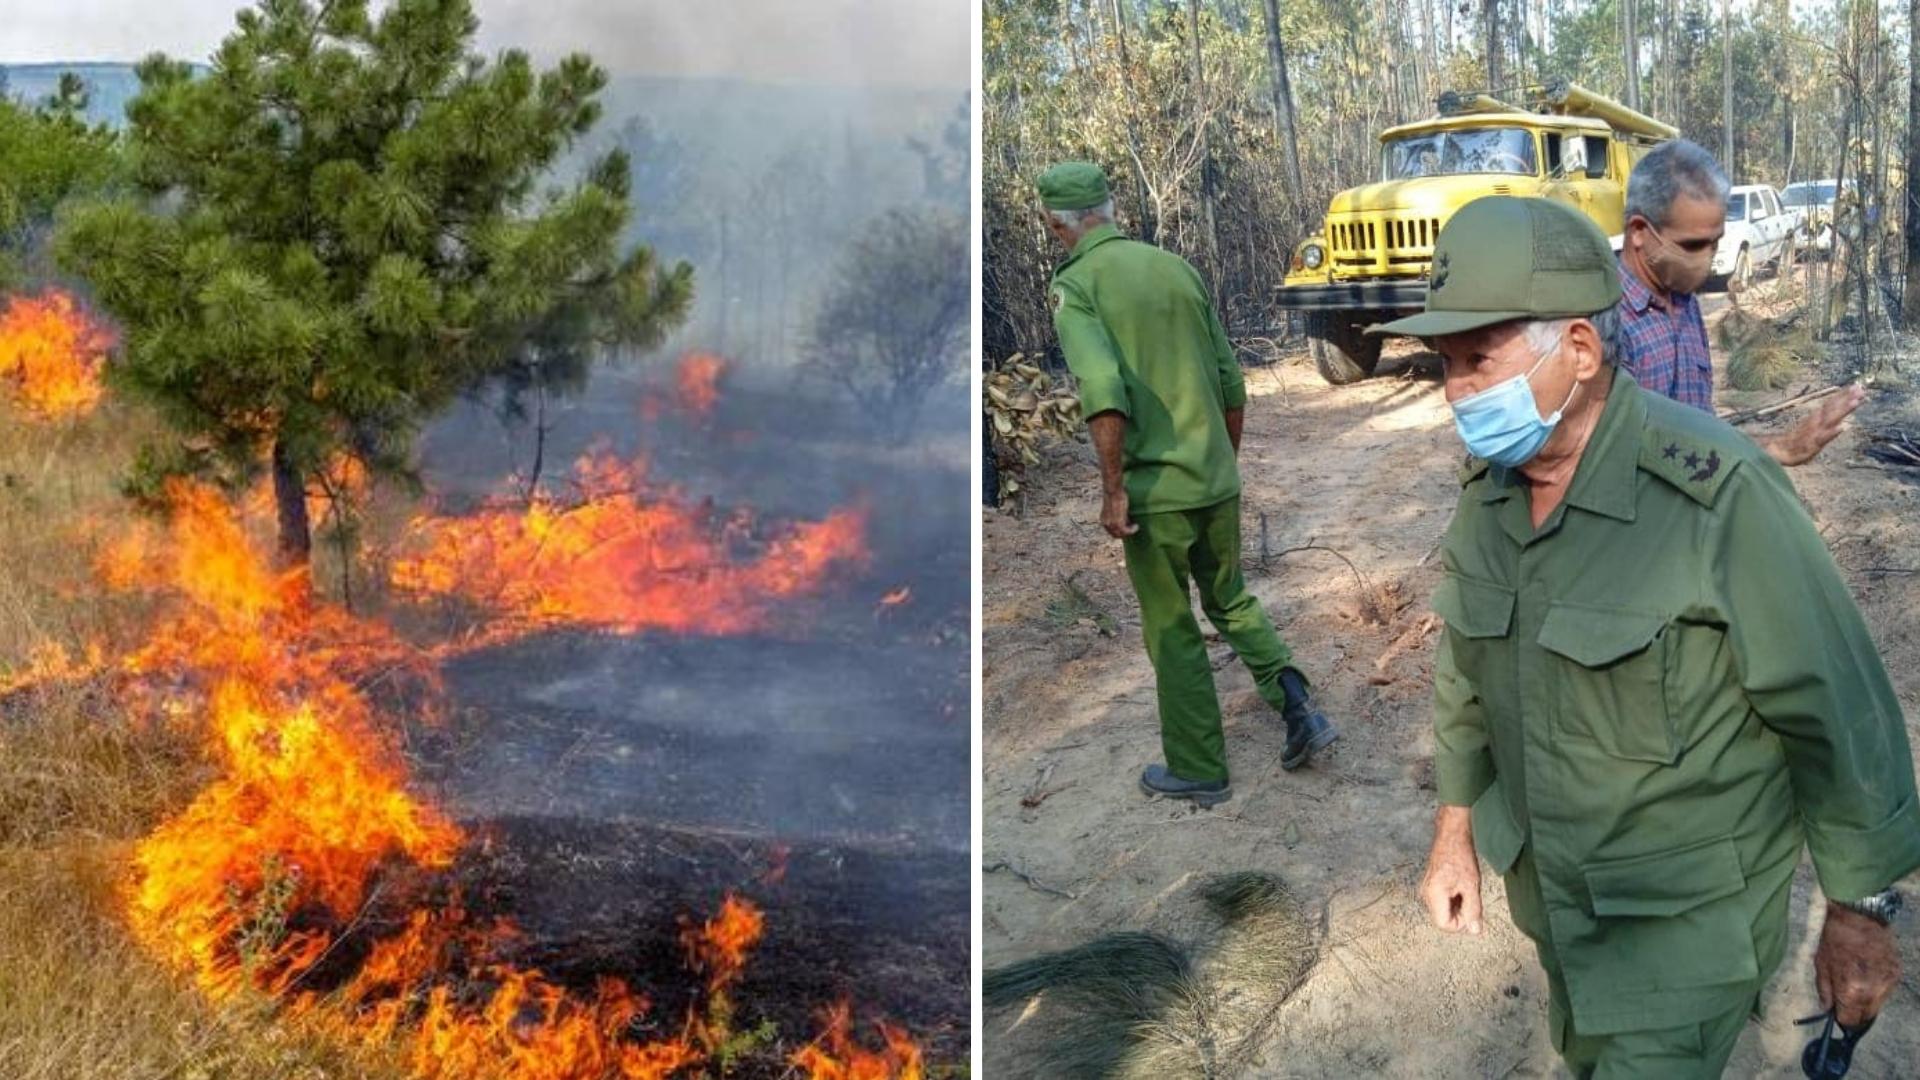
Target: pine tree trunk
(1491, 9)
(1726, 84)
(1148, 223)
(1283, 99)
(290, 501)
(1203, 121)
(1631, 9)
(1910, 301)
(1430, 54)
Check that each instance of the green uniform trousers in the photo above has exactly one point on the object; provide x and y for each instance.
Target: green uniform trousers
(1693, 1051)
(1201, 546)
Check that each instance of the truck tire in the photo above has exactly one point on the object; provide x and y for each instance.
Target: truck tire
(1341, 352)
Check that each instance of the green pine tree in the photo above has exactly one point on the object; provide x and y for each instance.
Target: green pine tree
(345, 224)
(48, 154)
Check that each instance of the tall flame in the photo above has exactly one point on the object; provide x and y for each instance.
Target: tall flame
(51, 355)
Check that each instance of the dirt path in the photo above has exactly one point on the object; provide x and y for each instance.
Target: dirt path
(1368, 470)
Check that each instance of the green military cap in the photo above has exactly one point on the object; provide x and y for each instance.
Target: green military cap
(1073, 185)
(1504, 257)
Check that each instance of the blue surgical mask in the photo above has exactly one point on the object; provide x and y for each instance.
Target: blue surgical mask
(1502, 424)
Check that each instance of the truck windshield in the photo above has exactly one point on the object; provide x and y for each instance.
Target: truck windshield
(1447, 153)
(1809, 193)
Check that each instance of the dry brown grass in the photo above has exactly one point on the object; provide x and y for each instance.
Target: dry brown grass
(78, 784)
(1766, 353)
(78, 1000)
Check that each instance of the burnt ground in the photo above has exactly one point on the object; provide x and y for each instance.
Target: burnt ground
(626, 783)
(1368, 470)
(885, 928)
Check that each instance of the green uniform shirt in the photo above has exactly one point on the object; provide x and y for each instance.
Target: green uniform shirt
(1658, 694)
(1141, 335)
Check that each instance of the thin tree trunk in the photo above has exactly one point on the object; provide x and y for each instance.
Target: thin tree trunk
(1283, 100)
(1148, 223)
(1910, 300)
(1630, 8)
(1491, 10)
(1726, 83)
(1428, 84)
(1203, 122)
(290, 502)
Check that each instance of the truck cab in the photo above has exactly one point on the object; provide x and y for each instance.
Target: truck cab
(1368, 263)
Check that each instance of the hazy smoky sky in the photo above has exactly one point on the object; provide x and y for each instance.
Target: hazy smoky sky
(924, 43)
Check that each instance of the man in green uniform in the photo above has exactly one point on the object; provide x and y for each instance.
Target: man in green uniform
(1653, 687)
(1163, 398)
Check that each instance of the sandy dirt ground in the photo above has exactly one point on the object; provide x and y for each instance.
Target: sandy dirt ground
(1074, 850)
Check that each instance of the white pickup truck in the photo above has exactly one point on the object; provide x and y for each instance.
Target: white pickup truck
(1759, 230)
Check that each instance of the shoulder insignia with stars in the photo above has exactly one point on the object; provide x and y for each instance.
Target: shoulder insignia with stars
(1690, 463)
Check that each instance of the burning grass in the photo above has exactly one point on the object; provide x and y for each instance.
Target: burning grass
(623, 554)
(51, 355)
(250, 737)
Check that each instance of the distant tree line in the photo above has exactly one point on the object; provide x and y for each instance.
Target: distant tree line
(1226, 125)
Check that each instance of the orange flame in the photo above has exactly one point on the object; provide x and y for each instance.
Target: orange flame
(699, 382)
(626, 559)
(835, 1056)
(51, 354)
(50, 661)
(260, 880)
(720, 946)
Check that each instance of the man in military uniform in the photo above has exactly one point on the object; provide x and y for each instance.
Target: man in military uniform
(1676, 214)
(1163, 398)
(1653, 687)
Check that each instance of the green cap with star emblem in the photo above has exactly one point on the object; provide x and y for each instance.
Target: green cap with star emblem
(1506, 257)
(1073, 185)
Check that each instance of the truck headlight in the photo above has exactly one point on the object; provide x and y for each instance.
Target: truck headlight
(1313, 255)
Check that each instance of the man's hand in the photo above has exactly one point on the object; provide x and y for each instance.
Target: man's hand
(1800, 443)
(1113, 515)
(1856, 966)
(1451, 888)
(1236, 418)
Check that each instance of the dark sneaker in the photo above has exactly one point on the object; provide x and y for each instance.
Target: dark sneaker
(1158, 781)
(1305, 737)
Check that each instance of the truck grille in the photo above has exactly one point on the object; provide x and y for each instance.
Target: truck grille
(1378, 244)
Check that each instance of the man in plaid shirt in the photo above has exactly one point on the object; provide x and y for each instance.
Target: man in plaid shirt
(1676, 214)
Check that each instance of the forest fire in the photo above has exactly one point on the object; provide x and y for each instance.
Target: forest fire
(51, 355)
(626, 557)
(282, 876)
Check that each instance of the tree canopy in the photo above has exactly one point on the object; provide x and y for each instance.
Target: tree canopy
(343, 225)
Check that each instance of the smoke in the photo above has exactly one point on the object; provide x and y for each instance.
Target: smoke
(869, 43)
(865, 43)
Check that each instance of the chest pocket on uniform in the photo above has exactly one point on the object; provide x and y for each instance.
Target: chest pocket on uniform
(1476, 609)
(1612, 686)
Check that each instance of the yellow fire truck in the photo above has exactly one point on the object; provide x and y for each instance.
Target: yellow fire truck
(1368, 263)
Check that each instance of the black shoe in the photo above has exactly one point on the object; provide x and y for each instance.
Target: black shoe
(1308, 729)
(1158, 781)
